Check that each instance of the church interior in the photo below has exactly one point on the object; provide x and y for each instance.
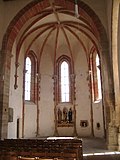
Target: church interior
(60, 71)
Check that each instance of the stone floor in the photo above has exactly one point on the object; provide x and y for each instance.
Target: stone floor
(94, 145)
(95, 149)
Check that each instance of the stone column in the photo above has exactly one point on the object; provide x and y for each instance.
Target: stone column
(5, 62)
(113, 138)
(119, 139)
(115, 18)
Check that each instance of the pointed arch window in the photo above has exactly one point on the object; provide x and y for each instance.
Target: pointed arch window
(63, 86)
(30, 81)
(64, 74)
(95, 74)
(27, 78)
(98, 77)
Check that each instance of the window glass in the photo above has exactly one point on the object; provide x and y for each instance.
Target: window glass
(27, 78)
(64, 82)
(98, 77)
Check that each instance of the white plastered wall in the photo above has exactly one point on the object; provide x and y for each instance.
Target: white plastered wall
(30, 120)
(15, 96)
(82, 95)
(98, 118)
(46, 104)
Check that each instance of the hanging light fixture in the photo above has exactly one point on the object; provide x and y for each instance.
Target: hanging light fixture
(76, 9)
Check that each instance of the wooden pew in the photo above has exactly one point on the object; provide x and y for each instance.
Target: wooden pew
(67, 149)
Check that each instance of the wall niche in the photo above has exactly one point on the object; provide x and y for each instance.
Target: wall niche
(84, 123)
(65, 116)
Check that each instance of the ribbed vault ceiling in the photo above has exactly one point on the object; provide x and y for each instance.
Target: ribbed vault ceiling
(57, 28)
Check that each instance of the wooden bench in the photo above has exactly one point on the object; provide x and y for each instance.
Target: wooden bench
(15, 149)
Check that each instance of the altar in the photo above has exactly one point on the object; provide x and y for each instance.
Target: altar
(58, 148)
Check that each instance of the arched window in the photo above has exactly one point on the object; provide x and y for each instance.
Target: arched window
(30, 82)
(65, 93)
(95, 74)
(27, 78)
(98, 77)
(64, 80)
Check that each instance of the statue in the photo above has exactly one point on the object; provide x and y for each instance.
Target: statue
(65, 112)
(59, 115)
(70, 115)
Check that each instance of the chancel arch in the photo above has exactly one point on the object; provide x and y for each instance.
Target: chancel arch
(54, 37)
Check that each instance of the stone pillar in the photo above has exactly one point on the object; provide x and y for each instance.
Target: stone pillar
(112, 138)
(4, 92)
(115, 53)
(119, 139)
(114, 130)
